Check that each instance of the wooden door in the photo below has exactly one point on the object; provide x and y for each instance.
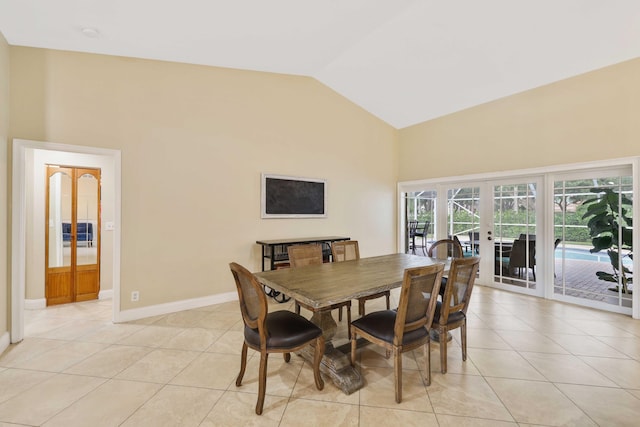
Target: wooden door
(72, 237)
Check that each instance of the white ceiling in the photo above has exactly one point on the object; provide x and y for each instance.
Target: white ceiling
(405, 61)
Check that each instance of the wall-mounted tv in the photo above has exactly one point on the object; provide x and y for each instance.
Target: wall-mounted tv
(293, 197)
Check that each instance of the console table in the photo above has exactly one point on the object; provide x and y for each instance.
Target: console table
(276, 250)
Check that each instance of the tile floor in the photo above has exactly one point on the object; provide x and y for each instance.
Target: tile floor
(531, 363)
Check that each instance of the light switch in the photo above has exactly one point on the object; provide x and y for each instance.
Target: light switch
(109, 226)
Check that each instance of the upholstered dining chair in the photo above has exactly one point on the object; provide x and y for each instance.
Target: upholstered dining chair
(311, 254)
(444, 249)
(348, 250)
(406, 328)
(276, 332)
(451, 313)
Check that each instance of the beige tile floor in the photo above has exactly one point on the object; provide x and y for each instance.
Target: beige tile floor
(531, 363)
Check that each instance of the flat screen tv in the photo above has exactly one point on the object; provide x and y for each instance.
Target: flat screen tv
(293, 197)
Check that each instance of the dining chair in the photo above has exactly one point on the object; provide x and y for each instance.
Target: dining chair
(277, 332)
(451, 313)
(348, 250)
(406, 328)
(311, 254)
(444, 249)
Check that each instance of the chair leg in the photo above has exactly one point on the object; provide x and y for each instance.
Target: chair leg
(349, 321)
(317, 358)
(463, 340)
(443, 350)
(243, 364)
(287, 357)
(397, 367)
(340, 314)
(427, 363)
(361, 307)
(262, 382)
(353, 345)
(297, 308)
(387, 295)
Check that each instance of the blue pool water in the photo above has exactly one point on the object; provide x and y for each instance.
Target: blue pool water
(585, 255)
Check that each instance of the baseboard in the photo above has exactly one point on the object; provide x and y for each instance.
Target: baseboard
(106, 294)
(4, 342)
(35, 304)
(172, 307)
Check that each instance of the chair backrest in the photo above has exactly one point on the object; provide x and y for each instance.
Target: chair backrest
(301, 255)
(418, 297)
(474, 236)
(412, 226)
(457, 293)
(524, 236)
(422, 231)
(345, 250)
(445, 248)
(518, 255)
(253, 301)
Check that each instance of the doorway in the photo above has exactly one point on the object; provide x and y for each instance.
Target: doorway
(72, 234)
(24, 175)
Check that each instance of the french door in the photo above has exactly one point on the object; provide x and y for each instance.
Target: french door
(489, 219)
(518, 242)
(564, 234)
(72, 236)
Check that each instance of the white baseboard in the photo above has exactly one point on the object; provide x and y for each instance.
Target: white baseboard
(106, 294)
(4, 342)
(172, 307)
(35, 304)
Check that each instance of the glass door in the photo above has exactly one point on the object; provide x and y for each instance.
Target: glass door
(592, 239)
(72, 237)
(516, 235)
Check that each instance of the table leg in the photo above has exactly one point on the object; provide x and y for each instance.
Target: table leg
(335, 363)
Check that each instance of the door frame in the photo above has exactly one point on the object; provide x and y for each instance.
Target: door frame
(404, 187)
(18, 223)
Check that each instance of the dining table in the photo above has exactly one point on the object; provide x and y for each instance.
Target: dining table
(321, 286)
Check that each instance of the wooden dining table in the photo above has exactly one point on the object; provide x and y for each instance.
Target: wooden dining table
(320, 286)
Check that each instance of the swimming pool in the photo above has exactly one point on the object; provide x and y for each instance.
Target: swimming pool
(585, 255)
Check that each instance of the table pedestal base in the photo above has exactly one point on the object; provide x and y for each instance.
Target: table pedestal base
(337, 366)
(335, 363)
(434, 334)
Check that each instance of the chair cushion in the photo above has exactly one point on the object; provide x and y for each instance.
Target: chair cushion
(286, 330)
(454, 317)
(380, 324)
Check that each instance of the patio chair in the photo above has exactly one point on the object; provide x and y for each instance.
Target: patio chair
(411, 235)
(349, 250)
(421, 232)
(451, 313)
(276, 332)
(474, 240)
(523, 257)
(406, 328)
(311, 254)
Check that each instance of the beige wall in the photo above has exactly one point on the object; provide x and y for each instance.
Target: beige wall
(4, 179)
(194, 141)
(593, 116)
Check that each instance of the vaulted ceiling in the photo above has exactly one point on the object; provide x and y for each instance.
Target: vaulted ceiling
(405, 61)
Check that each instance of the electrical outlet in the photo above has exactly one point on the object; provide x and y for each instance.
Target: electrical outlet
(135, 296)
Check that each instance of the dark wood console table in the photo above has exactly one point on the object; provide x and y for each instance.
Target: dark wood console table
(276, 250)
